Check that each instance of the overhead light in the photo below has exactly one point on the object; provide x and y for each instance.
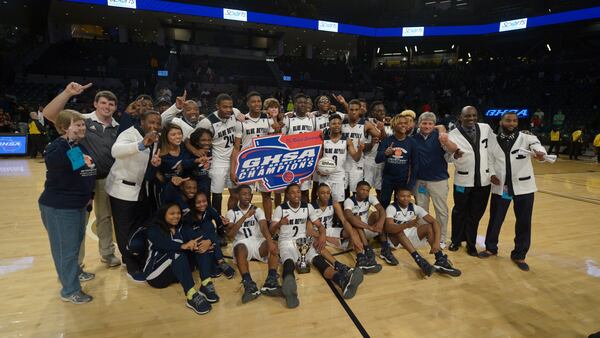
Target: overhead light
(406, 48)
(462, 4)
(469, 54)
(378, 49)
(430, 3)
(439, 51)
(548, 46)
(452, 47)
(416, 50)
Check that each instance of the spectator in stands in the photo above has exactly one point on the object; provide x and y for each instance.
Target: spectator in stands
(576, 143)
(68, 192)
(5, 122)
(36, 136)
(539, 113)
(554, 141)
(153, 63)
(162, 104)
(597, 146)
(558, 120)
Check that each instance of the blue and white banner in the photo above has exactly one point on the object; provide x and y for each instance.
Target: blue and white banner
(279, 160)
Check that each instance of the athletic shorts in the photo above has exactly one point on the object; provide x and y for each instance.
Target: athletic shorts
(219, 179)
(340, 242)
(288, 250)
(353, 176)
(413, 237)
(253, 246)
(373, 175)
(370, 234)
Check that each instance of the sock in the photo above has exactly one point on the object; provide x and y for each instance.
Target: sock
(438, 255)
(337, 265)
(246, 277)
(206, 281)
(272, 273)
(320, 263)
(337, 278)
(385, 244)
(415, 255)
(190, 294)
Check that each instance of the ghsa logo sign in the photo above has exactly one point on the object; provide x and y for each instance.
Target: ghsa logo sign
(279, 160)
(521, 113)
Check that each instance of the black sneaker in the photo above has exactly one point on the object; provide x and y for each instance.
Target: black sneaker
(443, 265)
(426, 268)
(271, 287)
(387, 255)
(366, 265)
(343, 268)
(290, 291)
(352, 279)
(372, 261)
(250, 291)
(199, 304)
(228, 271)
(209, 292)
(78, 297)
(216, 272)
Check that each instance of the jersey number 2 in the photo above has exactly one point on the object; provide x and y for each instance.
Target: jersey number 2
(229, 141)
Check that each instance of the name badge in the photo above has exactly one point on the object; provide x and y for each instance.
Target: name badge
(459, 188)
(76, 157)
(505, 194)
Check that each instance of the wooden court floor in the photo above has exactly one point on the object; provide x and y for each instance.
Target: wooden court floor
(559, 297)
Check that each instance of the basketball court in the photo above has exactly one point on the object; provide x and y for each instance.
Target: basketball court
(559, 297)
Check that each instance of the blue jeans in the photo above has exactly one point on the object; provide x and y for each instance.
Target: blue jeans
(66, 228)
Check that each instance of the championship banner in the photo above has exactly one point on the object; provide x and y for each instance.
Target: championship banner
(279, 160)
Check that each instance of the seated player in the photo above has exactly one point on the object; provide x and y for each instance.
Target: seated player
(356, 211)
(326, 214)
(404, 229)
(248, 228)
(172, 249)
(291, 220)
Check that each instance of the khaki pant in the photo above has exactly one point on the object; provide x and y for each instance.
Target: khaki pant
(104, 224)
(438, 192)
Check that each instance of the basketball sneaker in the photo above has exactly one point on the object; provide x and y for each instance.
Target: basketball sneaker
(271, 286)
(350, 282)
(199, 304)
(209, 292)
(443, 265)
(250, 291)
(387, 255)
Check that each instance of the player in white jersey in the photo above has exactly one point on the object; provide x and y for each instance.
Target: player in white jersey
(222, 124)
(329, 217)
(291, 220)
(256, 124)
(374, 171)
(252, 240)
(355, 128)
(338, 148)
(356, 211)
(410, 226)
(299, 123)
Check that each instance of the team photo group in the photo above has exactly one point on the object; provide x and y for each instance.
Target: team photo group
(291, 189)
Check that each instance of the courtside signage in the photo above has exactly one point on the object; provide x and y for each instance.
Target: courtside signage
(13, 145)
(521, 112)
(328, 26)
(413, 31)
(513, 25)
(279, 160)
(235, 14)
(122, 3)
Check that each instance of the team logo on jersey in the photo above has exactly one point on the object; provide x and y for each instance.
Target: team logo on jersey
(279, 160)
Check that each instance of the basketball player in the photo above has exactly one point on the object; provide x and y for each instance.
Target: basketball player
(336, 147)
(255, 124)
(326, 215)
(404, 225)
(299, 123)
(222, 124)
(355, 129)
(514, 181)
(291, 220)
(356, 211)
(373, 171)
(252, 240)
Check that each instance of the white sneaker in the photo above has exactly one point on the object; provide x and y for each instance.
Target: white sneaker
(443, 245)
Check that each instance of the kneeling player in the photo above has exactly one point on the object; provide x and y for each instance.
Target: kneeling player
(326, 214)
(403, 229)
(356, 211)
(252, 240)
